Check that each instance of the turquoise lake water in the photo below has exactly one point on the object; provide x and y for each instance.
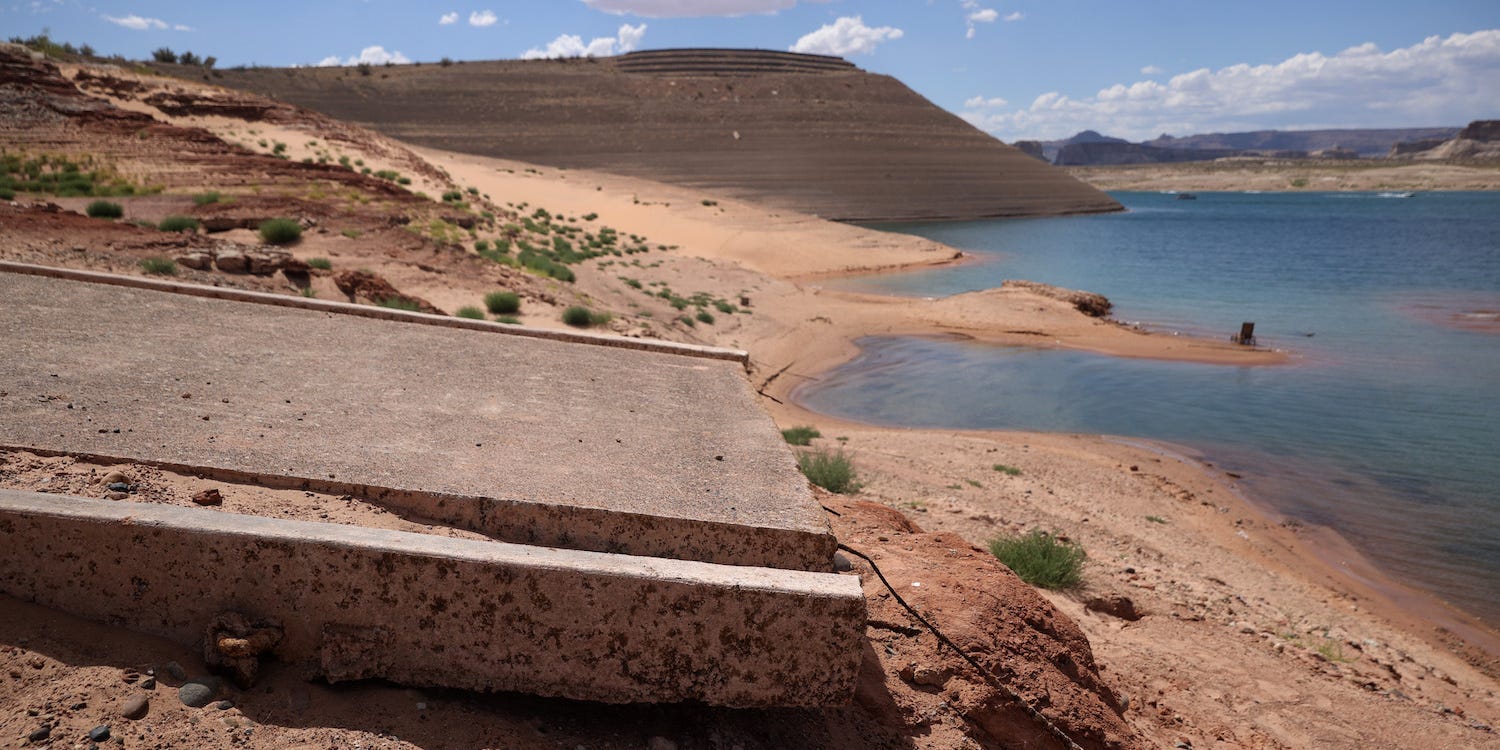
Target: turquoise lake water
(1386, 426)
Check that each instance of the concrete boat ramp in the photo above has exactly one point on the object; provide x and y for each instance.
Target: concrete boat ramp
(649, 536)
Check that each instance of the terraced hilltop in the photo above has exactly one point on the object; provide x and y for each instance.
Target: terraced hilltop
(806, 132)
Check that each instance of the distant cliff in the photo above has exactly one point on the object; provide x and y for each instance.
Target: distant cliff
(1089, 148)
(808, 132)
(1479, 140)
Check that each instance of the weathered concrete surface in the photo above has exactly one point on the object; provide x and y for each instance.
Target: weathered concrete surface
(528, 440)
(434, 611)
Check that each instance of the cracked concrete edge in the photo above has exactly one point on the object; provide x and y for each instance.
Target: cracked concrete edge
(379, 313)
(548, 524)
(423, 610)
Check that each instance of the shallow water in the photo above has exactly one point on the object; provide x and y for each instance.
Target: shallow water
(1386, 426)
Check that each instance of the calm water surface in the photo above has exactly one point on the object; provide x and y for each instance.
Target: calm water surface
(1387, 425)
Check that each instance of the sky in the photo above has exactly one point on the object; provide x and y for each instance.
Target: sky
(1019, 69)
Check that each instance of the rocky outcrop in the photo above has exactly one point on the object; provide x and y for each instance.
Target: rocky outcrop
(1478, 140)
(1089, 303)
(807, 133)
(363, 286)
(1031, 148)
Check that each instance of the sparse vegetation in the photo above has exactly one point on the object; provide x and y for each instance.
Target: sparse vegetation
(1041, 559)
(178, 224)
(708, 202)
(1156, 519)
(400, 303)
(831, 470)
(800, 435)
(509, 320)
(705, 316)
(159, 266)
(322, 264)
(1008, 470)
(352, 234)
(204, 199)
(505, 303)
(105, 210)
(280, 231)
(578, 316)
(471, 312)
(974, 483)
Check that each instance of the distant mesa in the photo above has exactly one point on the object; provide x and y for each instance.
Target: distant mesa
(1089, 148)
(1479, 140)
(810, 133)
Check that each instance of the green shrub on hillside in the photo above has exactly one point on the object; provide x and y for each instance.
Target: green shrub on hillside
(831, 470)
(502, 303)
(105, 210)
(178, 224)
(1041, 559)
(280, 231)
(800, 435)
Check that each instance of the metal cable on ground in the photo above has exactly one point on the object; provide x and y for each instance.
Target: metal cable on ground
(1035, 714)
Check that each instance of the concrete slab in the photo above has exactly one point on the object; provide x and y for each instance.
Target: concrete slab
(424, 610)
(525, 439)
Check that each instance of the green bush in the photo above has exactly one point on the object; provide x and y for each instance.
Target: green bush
(178, 224)
(1006, 469)
(105, 210)
(502, 303)
(578, 316)
(322, 264)
(705, 316)
(801, 435)
(471, 312)
(159, 266)
(509, 320)
(280, 231)
(453, 196)
(833, 471)
(1041, 559)
(6, 193)
(203, 199)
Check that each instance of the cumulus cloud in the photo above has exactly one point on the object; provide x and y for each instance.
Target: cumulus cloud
(572, 45)
(980, 102)
(691, 8)
(483, 18)
(1013, 17)
(1440, 80)
(846, 36)
(448, 19)
(1152, 70)
(139, 23)
(984, 15)
(374, 55)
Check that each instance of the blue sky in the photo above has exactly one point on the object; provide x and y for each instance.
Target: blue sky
(1017, 68)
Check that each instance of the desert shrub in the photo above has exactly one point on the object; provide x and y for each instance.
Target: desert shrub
(6, 193)
(105, 210)
(578, 316)
(1041, 559)
(164, 55)
(481, 246)
(203, 199)
(178, 224)
(322, 264)
(280, 231)
(705, 316)
(833, 471)
(400, 303)
(509, 320)
(1007, 469)
(471, 312)
(502, 303)
(800, 435)
(453, 196)
(159, 266)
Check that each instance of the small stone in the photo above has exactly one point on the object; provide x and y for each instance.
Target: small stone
(99, 733)
(231, 261)
(224, 705)
(135, 706)
(117, 495)
(208, 497)
(117, 487)
(39, 734)
(197, 261)
(197, 693)
(149, 683)
(841, 563)
(115, 477)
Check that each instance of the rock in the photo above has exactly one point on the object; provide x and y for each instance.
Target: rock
(116, 477)
(209, 496)
(368, 287)
(1114, 606)
(233, 642)
(149, 683)
(198, 261)
(232, 261)
(118, 487)
(99, 733)
(224, 705)
(1088, 303)
(135, 707)
(841, 563)
(198, 693)
(40, 733)
(117, 495)
(266, 261)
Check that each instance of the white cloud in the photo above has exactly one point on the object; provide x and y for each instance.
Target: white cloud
(1013, 17)
(448, 19)
(572, 45)
(181, 27)
(482, 18)
(1438, 81)
(374, 55)
(846, 36)
(980, 102)
(138, 23)
(691, 8)
(984, 15)
(1152, 70)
